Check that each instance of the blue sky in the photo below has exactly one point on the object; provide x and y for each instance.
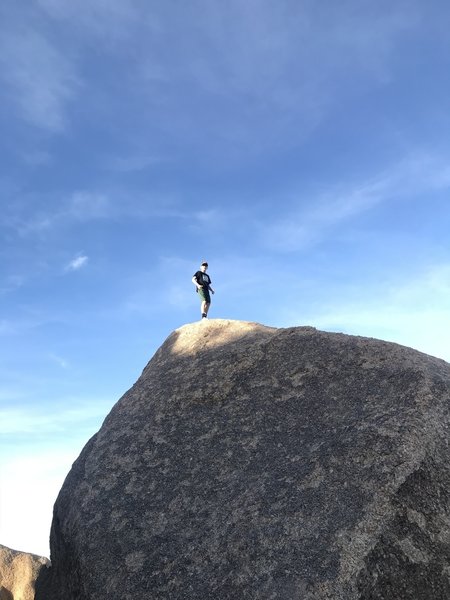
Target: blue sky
(301, 147)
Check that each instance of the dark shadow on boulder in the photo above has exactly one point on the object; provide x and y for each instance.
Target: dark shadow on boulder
(5, 594)
(43, 585)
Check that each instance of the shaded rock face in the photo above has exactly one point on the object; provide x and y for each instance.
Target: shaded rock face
(18, 574)
(256, 463)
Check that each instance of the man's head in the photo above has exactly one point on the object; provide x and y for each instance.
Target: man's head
(204, 266)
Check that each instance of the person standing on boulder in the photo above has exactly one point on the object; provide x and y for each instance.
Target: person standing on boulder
(202, 282)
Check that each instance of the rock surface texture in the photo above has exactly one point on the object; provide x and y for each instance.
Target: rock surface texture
(256, 463)
(18, 574)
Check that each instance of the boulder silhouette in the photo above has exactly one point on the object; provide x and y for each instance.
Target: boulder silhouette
(18, 574)
(249, 462)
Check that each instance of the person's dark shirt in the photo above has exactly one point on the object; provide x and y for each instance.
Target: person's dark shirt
(202, 279)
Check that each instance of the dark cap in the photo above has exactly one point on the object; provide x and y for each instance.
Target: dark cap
(204, 264)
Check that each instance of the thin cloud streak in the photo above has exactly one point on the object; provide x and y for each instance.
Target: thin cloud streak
(320, 215)
(11, 284)
(19, 326)
(248, 63)
(81, 206)
(308, 227)
(77, 263)
(259, 67)
(133, 164)
(39, 79)
(14, 421)
(111, 22)
(87, 206)
(62, 362)
(84, 206)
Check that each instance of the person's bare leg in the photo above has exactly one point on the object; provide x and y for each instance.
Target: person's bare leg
(204, 307)
(207, 305)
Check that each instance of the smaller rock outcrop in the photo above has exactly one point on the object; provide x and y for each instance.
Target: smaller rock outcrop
(18, 573)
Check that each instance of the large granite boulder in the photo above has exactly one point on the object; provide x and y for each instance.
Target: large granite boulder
(18, 573)
(256, 463)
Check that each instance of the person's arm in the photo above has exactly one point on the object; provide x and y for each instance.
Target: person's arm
(210, 287)
(196, 283)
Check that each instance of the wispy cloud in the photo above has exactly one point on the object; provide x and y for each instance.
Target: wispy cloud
(11, 283)
(59, 360)
(39, 216)
(251, 72)
(272, 69)
(87, 206)
(218, 218)
(6, 327)
(131, 164)
(111, 21)
(77, 263)
(30, 321)
(39, 80)
(37, 158)
(307, 226)
(38, 422)
(308, 219)
(80, 206)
